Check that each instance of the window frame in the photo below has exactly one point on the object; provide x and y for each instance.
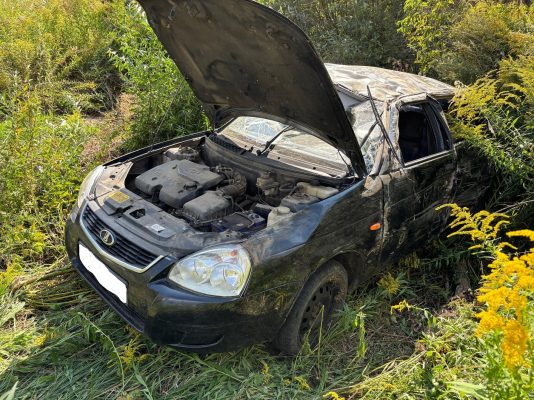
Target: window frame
(437, 122)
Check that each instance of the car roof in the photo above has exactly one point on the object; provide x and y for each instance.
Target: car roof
(386, 84)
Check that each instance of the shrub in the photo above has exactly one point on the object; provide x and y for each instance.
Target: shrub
(425, 25)
(495, 116)
(166, 107)
(359, 32)
(458, 40)
(506, 327)
(57, 48)
(39, 176)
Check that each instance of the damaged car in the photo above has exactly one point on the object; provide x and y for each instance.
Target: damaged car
(313, 179)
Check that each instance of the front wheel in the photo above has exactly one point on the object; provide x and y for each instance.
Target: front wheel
(321, 297)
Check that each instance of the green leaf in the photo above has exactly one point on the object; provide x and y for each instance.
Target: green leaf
(470, 389)
(10, 394)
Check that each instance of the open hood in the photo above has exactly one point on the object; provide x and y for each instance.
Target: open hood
(242, 58)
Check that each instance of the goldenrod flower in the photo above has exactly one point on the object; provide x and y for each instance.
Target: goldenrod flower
(514, 344)
(403, 305)
(489, 322)
(527, 233)
(390, 284)
(507, 288)
(333, 396)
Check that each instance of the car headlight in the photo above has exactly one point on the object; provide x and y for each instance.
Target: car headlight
(219, 271)
(88, 183)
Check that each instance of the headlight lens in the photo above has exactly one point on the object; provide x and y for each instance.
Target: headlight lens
(88, 183)
(219, 271)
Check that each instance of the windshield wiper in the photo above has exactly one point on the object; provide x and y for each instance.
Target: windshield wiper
(382, 127)
(270, 142)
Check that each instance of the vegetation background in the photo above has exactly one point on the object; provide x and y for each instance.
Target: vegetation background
(84, 80)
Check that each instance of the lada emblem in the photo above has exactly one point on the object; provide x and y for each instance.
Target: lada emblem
(107, 237)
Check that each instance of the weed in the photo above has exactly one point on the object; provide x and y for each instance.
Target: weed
(165, 106)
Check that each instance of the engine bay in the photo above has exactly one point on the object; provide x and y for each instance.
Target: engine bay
(207, 186)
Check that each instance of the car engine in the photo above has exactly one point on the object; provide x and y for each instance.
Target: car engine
(194, 191)
(208, 194)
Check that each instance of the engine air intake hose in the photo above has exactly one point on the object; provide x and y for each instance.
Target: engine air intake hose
(237, 184)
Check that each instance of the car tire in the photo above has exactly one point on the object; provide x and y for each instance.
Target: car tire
(327, 288)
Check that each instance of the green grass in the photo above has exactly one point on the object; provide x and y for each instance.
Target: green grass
(59, 340)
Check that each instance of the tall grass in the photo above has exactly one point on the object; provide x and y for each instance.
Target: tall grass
(56, 48)
(165, 106)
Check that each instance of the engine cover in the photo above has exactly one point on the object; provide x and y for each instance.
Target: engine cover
(210, 205)
(177, 181)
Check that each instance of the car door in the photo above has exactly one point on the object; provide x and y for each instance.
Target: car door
(432, 175)
(420, 178)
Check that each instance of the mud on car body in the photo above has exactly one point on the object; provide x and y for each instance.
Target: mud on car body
(313, 178)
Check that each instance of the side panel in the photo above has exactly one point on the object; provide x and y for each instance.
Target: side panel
(433, 182)
(473, 178)
(399, 210)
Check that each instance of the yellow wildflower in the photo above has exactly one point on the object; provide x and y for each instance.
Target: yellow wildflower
(389, 283)
(515, 267)
(333, 396)
(525, 282)
(489, 322)
(500, 256)
(303, 383)
(265, 368)
(403, 305)
(528, 258)
(507, 288)
(40, 340)
(514, 344)
(527, 233)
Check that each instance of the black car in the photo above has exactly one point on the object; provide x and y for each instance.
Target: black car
(314, 178)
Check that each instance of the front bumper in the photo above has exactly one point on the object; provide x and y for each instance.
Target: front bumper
(173, 316)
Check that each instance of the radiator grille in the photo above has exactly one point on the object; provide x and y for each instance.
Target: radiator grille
(122, 249)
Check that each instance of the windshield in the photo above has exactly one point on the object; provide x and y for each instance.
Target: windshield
(253, 134)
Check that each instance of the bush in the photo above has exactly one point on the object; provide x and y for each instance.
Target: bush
(56, 48)
(506, 327)
(457, 40)
(495, 116)
(40, 174)
(489, 45)
(361, 32)
(166, 107)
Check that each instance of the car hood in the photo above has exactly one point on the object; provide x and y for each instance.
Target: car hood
(242, 58)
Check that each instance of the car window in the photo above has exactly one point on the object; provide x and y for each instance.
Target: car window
(254, 133)
(421, 132)
(367, 131)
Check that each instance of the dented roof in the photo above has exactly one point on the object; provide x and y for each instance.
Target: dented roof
(385, 84)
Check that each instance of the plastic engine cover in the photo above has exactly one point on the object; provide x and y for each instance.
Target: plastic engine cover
(209, 206)
(177, 181)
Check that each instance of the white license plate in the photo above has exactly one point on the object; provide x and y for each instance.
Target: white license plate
(102, 273)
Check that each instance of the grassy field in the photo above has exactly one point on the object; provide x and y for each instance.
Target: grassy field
(59, 340)
(83, 81)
